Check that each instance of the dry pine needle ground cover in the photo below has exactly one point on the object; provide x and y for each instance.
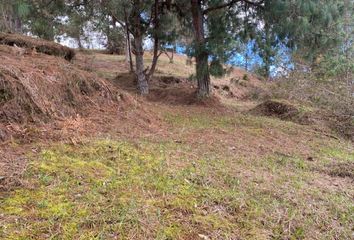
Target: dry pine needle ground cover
(201, 172)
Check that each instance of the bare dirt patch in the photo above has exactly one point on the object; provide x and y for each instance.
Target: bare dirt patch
(325, 121)
(168, 90)
(182, 96)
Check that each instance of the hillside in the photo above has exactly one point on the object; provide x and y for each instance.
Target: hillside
(84, 157)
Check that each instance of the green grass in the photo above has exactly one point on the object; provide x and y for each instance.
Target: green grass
(205, 120)
(342, 153)
(110, 189)
(103, 189)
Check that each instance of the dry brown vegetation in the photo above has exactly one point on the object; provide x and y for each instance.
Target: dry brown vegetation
(29, 44)
(108, 164)
(40, 87)
(329, 102)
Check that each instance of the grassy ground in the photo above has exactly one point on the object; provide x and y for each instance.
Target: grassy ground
(213, 176)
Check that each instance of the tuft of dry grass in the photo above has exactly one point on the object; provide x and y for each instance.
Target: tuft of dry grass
(333, 97)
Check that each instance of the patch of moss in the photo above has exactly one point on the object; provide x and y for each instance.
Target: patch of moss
(215, 222)
(173, 231)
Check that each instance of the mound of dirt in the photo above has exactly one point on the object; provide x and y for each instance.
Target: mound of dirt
(39, 45)
(343, 170)
(344, 125)
(282, 110)
(240, 84)
(168, 90)
(182, 96)
(168, 80)
(275, 108)
(40, 87)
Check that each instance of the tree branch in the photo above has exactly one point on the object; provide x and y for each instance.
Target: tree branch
(232, 2)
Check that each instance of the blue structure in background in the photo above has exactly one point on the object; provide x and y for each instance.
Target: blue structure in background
(246, 58)
(249, 59)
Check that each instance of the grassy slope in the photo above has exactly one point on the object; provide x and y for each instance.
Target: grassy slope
(212, 176)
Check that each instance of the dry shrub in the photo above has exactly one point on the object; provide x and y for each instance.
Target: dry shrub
(333, 97)
(282, 110)
(241, 85)
(343, 170)
(40, 45)
(42, 87)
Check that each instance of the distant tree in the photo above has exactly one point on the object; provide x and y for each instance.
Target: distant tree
(338, 60)
(143, 19)
(77, 15)
(308, 29)
(45, 18)
(216, 27)
(12, 14)
(218, 24)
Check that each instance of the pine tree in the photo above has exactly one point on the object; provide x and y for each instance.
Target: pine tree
(143, 19)
(45, 19)
(12, 14)
(78, 15)
(301, 26)
(216, 26)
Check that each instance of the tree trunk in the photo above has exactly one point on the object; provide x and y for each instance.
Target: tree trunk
(138, 33)
(79, 43)
(11, 22)
(201, 55)
(156, 41)
(17, 23)
(128, 47)
(173, 53)
(127, 51)
(154, 58)
(139, 68)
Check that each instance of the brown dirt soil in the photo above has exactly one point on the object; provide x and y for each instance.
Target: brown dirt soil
(35, 44)
(12, 165)
(105, 65)
(276, 108)
(324, 120)
(344, 125)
